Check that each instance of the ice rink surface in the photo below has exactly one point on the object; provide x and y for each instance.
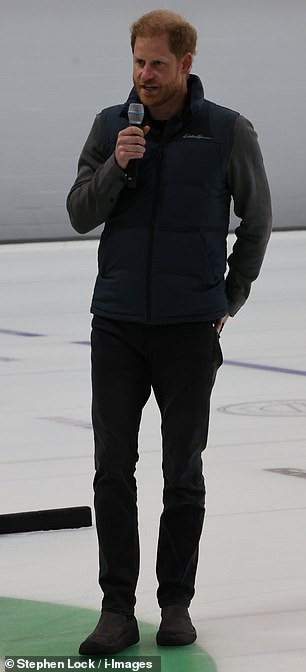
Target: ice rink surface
(250, 603)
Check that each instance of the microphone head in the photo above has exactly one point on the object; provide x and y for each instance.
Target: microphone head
(135, 114)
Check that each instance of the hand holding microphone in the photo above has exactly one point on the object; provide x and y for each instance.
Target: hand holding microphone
(130, 146)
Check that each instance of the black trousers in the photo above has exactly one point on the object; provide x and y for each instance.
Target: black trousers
(179, 362)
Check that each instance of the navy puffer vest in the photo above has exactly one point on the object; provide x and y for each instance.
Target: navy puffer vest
(162, 255)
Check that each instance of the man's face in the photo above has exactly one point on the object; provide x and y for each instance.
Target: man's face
(158, 75)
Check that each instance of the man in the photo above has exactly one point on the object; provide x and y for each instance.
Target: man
(159, 304)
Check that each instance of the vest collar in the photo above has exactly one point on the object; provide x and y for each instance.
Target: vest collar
(193, 102)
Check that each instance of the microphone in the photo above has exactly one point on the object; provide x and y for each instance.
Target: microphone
(135, 115)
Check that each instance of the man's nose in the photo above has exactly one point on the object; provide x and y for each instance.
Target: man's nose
(146, 72)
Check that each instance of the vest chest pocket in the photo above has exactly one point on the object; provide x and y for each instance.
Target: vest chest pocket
(193, 160)
(192, 184)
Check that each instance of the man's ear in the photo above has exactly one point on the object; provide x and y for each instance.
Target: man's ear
(187, 63)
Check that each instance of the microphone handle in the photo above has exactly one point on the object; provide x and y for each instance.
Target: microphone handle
(132, 168)
(132, 173)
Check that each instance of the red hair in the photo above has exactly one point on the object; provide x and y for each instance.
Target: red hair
(182, 35)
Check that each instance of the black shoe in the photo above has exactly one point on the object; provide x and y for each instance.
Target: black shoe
(113, 633)
(176, 628)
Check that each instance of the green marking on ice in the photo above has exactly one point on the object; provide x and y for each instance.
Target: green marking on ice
(30, 628)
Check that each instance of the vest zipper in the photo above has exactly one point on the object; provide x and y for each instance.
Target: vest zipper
(151, 241)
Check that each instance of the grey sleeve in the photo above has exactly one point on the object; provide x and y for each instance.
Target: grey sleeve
(252, 204)
(97, 186)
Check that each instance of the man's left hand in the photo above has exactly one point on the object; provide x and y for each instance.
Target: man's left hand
(220, 323)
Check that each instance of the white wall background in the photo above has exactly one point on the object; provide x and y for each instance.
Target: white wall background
(61, 61)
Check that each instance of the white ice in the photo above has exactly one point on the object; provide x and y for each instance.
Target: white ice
(249, 607)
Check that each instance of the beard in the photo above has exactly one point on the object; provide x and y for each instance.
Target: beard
(161, 95)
